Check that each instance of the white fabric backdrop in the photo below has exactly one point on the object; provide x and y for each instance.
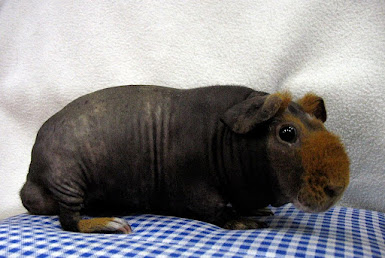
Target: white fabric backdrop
(54, 51)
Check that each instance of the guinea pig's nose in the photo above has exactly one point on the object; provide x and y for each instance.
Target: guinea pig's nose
(333, 191)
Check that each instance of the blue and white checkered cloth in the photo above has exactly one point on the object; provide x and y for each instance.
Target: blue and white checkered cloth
(340, 232)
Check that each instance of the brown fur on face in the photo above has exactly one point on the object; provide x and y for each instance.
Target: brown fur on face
(326, 171)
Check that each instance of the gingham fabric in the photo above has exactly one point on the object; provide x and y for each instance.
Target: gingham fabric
(340, 232)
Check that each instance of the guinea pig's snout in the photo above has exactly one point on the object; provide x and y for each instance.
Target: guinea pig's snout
(317, 196)
(333, 191)
(326, 172)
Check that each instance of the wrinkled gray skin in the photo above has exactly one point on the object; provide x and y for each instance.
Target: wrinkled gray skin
(152, 149)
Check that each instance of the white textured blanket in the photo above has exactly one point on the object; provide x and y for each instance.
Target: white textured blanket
(54, 51)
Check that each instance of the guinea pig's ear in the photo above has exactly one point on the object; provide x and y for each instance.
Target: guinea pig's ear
(257, 108)
(314, 105)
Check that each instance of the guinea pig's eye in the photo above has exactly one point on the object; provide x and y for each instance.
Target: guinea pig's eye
(288, 134)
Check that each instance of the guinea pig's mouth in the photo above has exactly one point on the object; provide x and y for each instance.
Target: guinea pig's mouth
(312, 208)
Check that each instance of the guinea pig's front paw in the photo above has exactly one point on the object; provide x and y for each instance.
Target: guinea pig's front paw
(262, 212)
(244, 223)
(104, 225)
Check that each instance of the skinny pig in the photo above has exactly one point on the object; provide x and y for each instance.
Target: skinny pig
(216, 154)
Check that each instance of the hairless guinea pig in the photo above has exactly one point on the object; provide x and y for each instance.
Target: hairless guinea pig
(217, 154)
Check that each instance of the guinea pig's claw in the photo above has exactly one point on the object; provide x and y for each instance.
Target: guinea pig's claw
(118, 226)
(245, 223)
(104, 225)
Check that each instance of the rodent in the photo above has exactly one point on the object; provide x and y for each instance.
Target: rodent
(216, 154)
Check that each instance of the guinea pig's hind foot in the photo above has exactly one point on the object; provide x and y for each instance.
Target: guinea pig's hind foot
(244, 223)
(104, 225)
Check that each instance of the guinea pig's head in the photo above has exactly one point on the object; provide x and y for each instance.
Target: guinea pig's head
(308, 164)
